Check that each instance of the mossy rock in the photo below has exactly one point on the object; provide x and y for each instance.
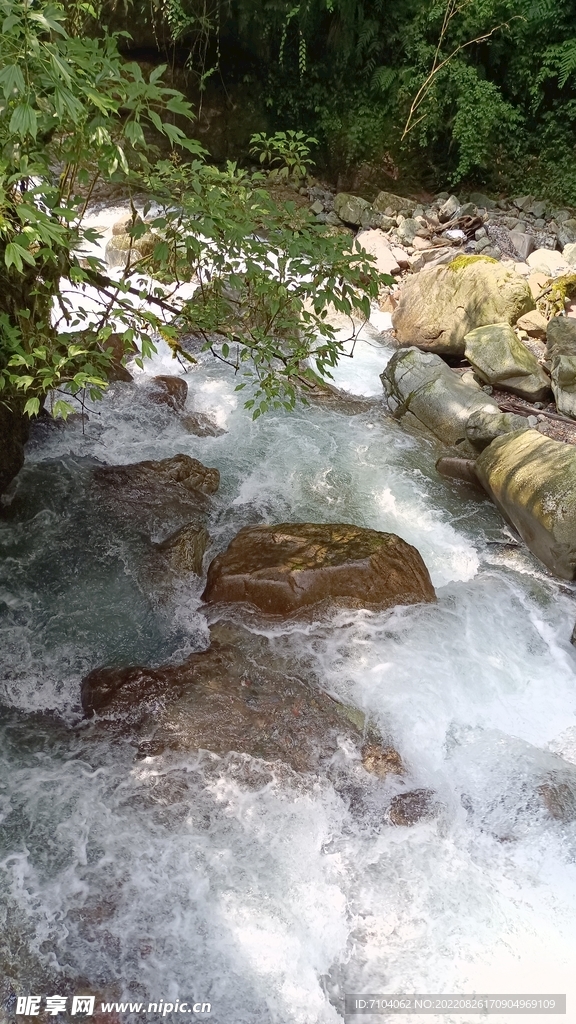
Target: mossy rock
(466, 261)
(439, 307)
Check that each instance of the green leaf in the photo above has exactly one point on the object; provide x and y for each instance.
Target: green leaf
(24, 121)
(11, 80)
(32, 407)
(17, 256)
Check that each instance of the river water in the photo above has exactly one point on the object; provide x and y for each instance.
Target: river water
(270, 901)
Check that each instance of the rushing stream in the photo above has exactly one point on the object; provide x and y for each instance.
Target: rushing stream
(146, 879)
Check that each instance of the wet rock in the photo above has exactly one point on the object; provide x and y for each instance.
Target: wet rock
(188, 473)
(202, 425)
(410, 808)
(153, 499)
(350, 209)
(439, 308)
(532, 480)
(169, 391)
(124, 224)
(484, 426)
(499, 358)
(283, 569)
(14, 429)
(121, 351)
(184, 549)
(381, 761)
(239, 695)
(457, 469)
(376, 244)
(559, 799)
(421, 385)
(388, 201)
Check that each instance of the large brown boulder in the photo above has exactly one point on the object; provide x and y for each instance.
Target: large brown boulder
(183, 470)
(239, 695)
(439, 307)
(282, 569)
(532, 480)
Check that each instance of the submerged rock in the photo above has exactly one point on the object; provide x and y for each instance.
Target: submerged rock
(239, 695)
(283, 569)
(183, 470)
(168, 390)
(416, 805)
(14, 429)
(500, 358)
(532, 480)
(157, 497)
(421, 385)
(184, 549)
(202, 425)
(439, 308)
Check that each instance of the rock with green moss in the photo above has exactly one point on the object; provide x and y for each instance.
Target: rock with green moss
(286, 568)
(397, 204)
(352, 209)
(123, 248)
(421, 387)
(439, 307)
(561, 360)
(484, 425)
(532, 480)
(499, 357)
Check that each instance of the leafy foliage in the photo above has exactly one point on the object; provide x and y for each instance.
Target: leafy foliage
(74, 115)
(289, 150)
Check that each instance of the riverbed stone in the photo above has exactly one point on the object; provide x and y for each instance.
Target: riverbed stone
(548, 261)
(422, 385)
(388, 201)
(532, 480)
(182, 470)
(485, 425)
(14, 429)
(414, 806)
(184, 549)
(439, 308)
(286, 568)
(375, 243)
(534, 323)
(350, 209)
(168, 390)
(561, 359)
(499, 358)
(126, 223)
(242, 694)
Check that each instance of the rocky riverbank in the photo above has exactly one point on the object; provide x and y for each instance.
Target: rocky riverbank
(484, 317)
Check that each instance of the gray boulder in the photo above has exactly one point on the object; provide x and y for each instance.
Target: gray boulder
(500, 358)
(439, 308)
(350, 208)
(484, 202)
(484, 425)
(567, 233)
(449, 209)
(421, 387)
(523, 243)
(532, 480)
(388, 201)
(561, 359)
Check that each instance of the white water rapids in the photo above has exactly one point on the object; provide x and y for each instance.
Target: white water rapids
(270, 901)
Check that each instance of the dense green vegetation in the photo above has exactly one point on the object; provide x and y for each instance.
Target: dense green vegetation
(75, 116)
(493, 80)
